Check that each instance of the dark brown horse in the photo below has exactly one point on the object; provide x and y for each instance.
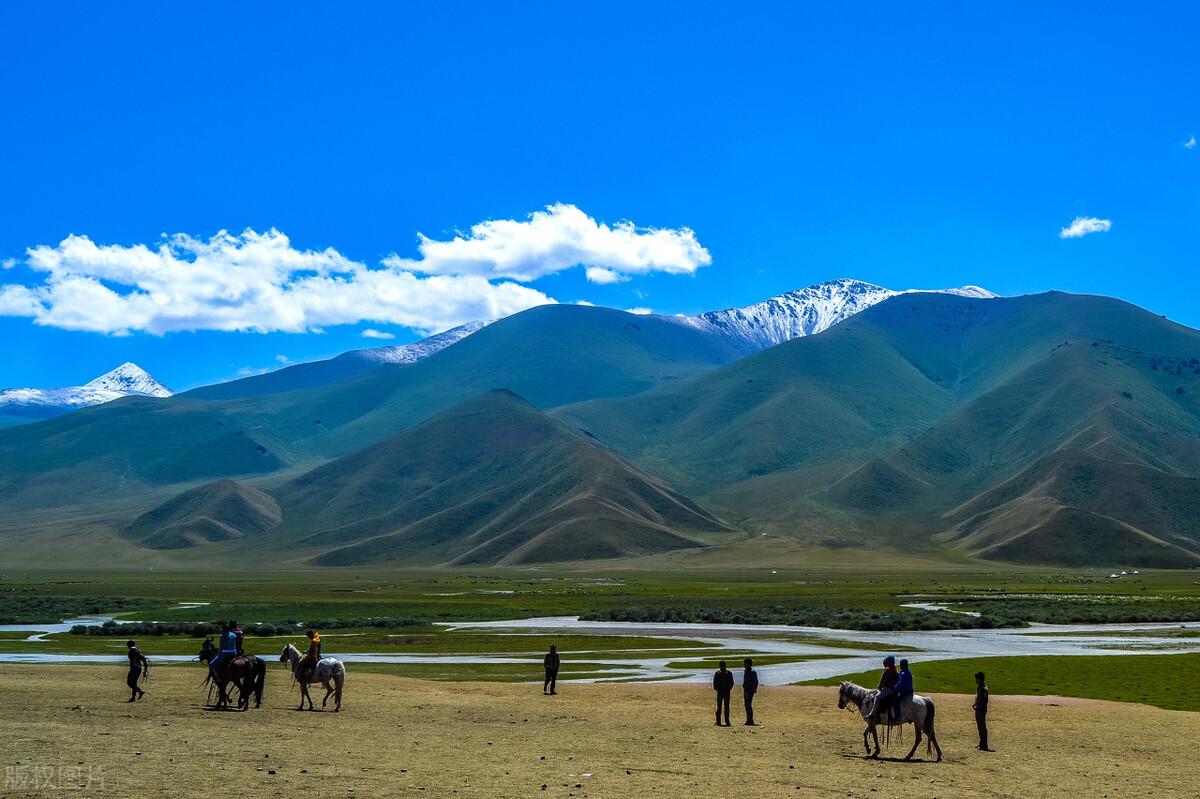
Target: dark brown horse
(246, 672)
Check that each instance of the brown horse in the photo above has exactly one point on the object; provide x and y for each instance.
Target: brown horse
(247, 672)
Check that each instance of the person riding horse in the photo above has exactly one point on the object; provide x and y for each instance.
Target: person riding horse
(228, 651)
(887, 688)
(904, 684)
(309, 660)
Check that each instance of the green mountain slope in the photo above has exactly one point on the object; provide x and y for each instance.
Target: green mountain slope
(552, 355)
(492, 480)
(877, 428)
(218, 511)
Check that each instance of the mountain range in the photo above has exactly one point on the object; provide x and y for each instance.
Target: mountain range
(21, 405)
(1050, 428)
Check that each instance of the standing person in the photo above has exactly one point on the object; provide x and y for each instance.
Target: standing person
(137, 665)
(887, 689)
(551, 662)
(981, 703)
(749, 689)
(723, 685)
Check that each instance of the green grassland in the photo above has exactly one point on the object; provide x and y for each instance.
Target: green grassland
(1166, 681)
(337, 598)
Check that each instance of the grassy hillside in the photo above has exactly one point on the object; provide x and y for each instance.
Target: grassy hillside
(925, 404)
(219, 511)
(552, 355)
(490, 481)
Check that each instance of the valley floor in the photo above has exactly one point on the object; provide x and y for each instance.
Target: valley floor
(401, 737)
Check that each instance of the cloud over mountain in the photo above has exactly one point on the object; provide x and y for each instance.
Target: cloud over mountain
(559, 238)
(260, 282)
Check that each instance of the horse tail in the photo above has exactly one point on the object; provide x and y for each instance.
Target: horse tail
(929, 736)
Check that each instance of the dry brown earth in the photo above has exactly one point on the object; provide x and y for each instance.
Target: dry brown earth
(400, 737)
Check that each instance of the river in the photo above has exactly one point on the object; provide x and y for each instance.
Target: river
(813, 659)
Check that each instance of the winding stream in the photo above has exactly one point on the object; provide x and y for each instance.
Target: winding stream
(776, 641)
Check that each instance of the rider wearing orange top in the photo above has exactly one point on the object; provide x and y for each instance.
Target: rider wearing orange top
(313, 654)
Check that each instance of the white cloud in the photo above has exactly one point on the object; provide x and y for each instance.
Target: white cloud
(283, 359)
(558, 238)
(603, 277)
(243, 282)
(640, 311)
(8, 263)
(379, 334)
(1084, 225)
(1190, 144)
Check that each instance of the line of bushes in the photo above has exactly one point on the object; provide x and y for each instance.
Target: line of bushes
(837, 618)
(16, 609)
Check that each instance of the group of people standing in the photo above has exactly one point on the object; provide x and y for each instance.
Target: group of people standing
(723, 683)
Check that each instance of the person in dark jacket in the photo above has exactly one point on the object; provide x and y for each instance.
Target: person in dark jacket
(981, 704)
(723, 685)
(749, 689)
(887, 688)
(137, 665)
(904, 684)
(551, 663)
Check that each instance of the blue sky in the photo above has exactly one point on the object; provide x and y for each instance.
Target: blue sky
(911, 149)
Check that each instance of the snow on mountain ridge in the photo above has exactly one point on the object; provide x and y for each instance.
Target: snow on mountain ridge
(804, 312)
(419, 350)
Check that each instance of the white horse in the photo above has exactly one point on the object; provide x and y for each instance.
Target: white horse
(918, 712)
(327, 669)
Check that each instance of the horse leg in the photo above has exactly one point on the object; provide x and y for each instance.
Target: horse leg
(936, 746)
(337, 698)
(875, 736)
(328, 691)
(866, 740)
(916, 743)
(307, 695)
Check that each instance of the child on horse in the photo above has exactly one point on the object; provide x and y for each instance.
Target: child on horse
(310, 658)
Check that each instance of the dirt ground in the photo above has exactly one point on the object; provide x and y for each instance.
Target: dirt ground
(66, 725)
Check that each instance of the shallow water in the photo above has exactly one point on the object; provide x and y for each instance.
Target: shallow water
(763, 639)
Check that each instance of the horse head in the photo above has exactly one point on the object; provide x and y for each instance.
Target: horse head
(842, 695)
(286, 654)
(207, 650)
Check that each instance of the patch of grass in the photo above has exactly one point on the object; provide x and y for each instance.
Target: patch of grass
(28, 605)
(1166, 681)
(1182, 633)
(734, 660)
(489, 672)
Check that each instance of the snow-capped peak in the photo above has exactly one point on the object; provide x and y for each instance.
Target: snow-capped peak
(127, 379)
(804, 312)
